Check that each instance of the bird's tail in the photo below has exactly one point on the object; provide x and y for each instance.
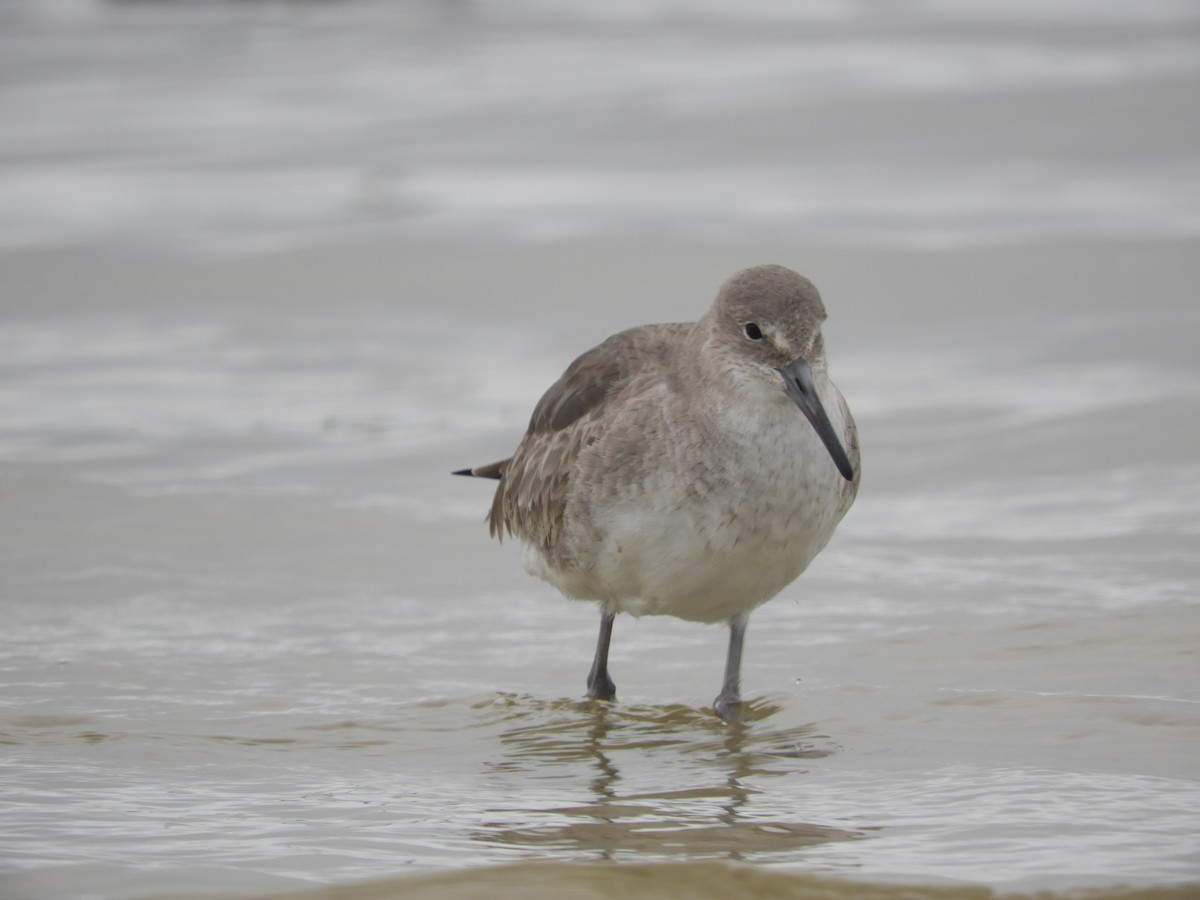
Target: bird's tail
(492, 470)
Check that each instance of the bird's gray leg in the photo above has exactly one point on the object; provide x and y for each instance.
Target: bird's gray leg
(728, 704)
(600, 685)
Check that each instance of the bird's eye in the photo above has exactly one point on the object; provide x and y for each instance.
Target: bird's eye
(752, 331)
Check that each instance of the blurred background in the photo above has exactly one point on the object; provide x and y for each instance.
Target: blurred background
(269, 271)
(239, 126)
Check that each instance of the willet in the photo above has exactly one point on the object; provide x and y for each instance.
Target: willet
(668, 471)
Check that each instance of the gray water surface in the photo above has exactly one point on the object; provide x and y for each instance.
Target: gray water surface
(272, 271)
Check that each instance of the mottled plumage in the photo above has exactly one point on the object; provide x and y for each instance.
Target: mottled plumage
(690, 469)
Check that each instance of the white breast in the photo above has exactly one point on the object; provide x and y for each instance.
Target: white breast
(708, 544)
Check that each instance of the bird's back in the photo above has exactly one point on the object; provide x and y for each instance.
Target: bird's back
(536, 482)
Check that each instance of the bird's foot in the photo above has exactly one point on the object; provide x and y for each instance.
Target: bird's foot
(728, 707)
(600, 687)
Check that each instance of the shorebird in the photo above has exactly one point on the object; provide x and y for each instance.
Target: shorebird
(690, 469)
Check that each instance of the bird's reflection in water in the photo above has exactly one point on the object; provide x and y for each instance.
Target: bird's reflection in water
(650, 782)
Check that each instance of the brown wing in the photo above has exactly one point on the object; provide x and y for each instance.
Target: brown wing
(531, 497)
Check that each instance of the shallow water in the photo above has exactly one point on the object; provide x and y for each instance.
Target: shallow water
(243, 126)
(256, 638)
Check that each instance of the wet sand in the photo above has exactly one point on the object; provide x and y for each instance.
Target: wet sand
(696, 881)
